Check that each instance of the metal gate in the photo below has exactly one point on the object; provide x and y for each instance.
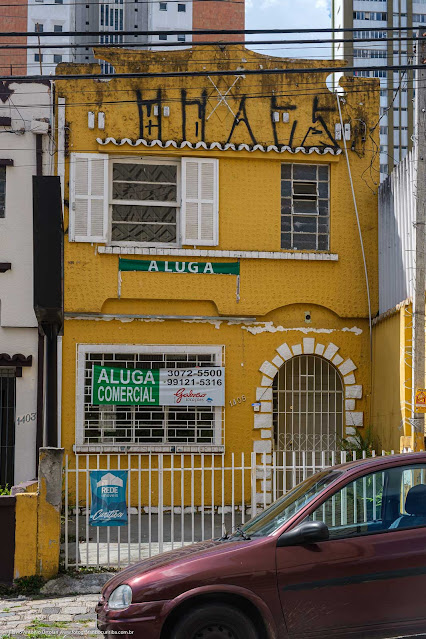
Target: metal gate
(174, 500)
(7, 425)
(308, 405)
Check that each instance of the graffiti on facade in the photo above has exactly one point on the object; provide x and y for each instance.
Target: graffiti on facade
(286, 129)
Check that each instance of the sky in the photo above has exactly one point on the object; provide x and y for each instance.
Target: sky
(289, 14)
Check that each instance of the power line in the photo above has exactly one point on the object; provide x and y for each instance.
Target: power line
(119, 4)
(190, 44)
(204, 31)
(295, 94)
(213, 72)
(279, 44)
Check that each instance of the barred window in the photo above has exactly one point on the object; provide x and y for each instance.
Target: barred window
(305, 207)
(134, 425)
(145, 202)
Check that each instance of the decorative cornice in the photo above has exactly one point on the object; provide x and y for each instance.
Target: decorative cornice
(219, 146)
(250, 255)
(15, 360)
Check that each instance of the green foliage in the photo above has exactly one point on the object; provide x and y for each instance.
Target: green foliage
(361, 443)
(23, 586)
(5, 490)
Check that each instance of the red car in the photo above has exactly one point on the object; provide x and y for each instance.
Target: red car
(341, 555)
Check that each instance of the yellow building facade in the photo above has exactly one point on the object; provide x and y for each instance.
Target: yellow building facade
(231, 195)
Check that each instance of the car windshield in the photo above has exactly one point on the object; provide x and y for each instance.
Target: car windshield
(281, 510)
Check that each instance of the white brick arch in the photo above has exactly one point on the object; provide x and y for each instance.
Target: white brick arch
(308, 346)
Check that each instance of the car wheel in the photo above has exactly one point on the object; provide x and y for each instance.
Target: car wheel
(214, 621)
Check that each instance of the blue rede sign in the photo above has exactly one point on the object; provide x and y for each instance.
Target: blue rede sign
(108, 488)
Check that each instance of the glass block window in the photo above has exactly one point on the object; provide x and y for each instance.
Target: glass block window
(133, 425)
(2, 191)
(145, 202)
(305, 207)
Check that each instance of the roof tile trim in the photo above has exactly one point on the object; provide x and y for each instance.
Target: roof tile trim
(219, 146)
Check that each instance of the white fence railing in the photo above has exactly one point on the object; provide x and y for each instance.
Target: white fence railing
(174, 500)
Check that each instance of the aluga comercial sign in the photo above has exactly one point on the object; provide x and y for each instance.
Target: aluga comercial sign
(158, 387)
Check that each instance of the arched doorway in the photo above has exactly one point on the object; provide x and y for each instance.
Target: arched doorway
(308, 406)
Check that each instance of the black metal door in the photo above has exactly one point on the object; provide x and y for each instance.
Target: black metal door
(7, 426)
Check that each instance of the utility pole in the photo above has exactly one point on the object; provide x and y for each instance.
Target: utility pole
(420, 281)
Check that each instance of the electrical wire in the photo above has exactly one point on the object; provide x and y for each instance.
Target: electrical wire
(367, 284)
(261, 95)
(211, 31)
(119, 4)
(190, 44)
(213, 72)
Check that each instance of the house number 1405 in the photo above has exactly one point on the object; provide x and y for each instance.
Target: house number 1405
(238, 400)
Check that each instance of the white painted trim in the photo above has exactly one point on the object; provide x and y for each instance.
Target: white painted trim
(123, 317)
(251, 255)
(125, 449)
(153, 348)
(218, 145)
(351, 391)
(82, 349)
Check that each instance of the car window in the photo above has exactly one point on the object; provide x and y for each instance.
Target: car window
(283, 509)
(385, 500)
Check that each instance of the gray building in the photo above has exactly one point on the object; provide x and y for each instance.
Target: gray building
(111, 17)
(369, 18)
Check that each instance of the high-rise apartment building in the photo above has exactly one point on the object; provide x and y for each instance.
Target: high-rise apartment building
(116, 16)
(49, 15)
(367, 46)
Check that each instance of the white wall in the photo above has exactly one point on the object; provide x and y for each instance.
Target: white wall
(397, 211)
(49, 16)
(170, 19)
(29, 108)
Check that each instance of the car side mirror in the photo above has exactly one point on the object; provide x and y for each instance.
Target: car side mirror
(308, 532)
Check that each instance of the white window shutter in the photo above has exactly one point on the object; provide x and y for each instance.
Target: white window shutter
(200, 201)
(88, 197)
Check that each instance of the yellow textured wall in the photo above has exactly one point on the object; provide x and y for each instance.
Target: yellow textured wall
(38, 520)
(386, 406)
(245, 351)
(26, 515)
(275, 293)
(249, 182)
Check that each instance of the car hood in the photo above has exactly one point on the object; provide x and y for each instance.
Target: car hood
(166, 559)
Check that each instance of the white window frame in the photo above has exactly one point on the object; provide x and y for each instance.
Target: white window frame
(177, 204)
(219, 411)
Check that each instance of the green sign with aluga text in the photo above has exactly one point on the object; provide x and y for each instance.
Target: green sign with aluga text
(199, 386)
(156, 266)
(125, 386)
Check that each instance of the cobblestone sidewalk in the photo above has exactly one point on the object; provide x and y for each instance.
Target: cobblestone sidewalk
(60, 617)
